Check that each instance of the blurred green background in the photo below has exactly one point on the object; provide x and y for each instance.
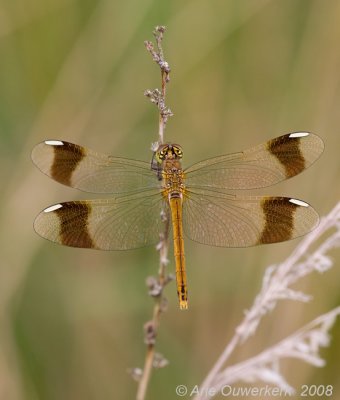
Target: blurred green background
(242, 72)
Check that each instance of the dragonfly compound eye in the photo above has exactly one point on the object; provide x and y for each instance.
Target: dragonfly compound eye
(178, 151)
(161, 154)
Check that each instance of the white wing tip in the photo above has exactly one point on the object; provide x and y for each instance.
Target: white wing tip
(299, 202)
(54, 143)
(52, 208)
(299, 134)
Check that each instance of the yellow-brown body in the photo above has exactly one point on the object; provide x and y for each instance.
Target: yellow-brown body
(173, 184)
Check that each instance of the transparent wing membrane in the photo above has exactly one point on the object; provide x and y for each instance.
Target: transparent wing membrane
(84, 169)
(232, 221)
(210, 216)
(114, 224)
(258, 167)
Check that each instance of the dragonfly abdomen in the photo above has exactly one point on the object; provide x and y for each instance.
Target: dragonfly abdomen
(175, 201)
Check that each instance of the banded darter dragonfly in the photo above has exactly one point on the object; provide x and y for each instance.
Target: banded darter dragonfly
(195, 199)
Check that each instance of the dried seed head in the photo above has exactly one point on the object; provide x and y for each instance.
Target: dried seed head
(135, 373)
(150, 333)
(159, 361)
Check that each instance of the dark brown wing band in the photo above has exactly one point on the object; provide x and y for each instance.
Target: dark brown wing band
(279, 214)
(287, 150)
(66, 159)
(67, 224)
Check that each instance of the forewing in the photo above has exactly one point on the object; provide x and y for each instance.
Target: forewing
(81, 168)
(230, 221)
(260, 166)
(114, 224)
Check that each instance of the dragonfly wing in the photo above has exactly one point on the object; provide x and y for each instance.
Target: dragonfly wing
(120, 223)
(231, 221)
(84, 169)
(260, 166)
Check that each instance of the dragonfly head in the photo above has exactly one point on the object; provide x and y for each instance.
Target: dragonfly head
(169, 152)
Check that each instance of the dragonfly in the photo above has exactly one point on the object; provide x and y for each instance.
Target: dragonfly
(201, 202)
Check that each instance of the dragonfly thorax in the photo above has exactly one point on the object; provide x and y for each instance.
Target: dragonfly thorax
(172, 177)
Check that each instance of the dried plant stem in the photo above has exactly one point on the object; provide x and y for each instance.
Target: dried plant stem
(144, 381)
(156, 96)
(277, 286)
(303, 345)
(156, 285)
(162, 121)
